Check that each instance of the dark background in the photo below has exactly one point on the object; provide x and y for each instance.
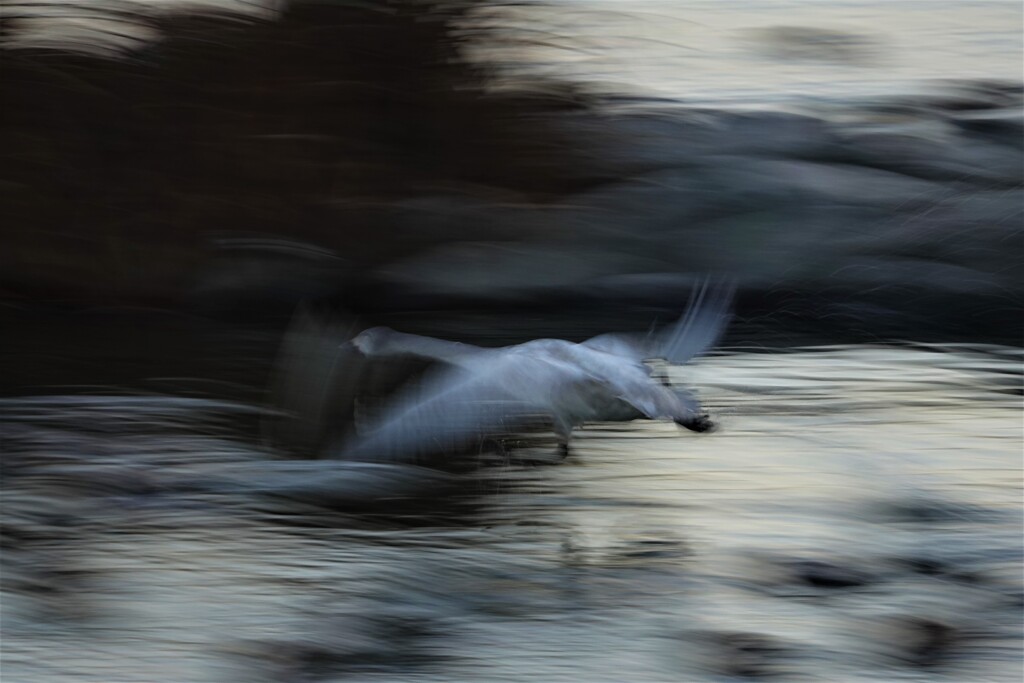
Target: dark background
(167, 205)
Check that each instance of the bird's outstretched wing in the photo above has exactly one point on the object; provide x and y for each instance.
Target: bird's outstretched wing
(695, 333)
(455, 406)
(702, 326)
(631, 346)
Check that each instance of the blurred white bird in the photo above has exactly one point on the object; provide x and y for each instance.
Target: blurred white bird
(479, 392)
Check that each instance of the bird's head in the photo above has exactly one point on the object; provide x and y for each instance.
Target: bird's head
(697, 423)
(372, 341)
(690, 413)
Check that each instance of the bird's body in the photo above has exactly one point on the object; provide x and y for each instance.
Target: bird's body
(479, 392)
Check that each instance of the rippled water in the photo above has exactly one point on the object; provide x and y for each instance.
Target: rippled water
(857, 518)
(767, 53)
(710, 52)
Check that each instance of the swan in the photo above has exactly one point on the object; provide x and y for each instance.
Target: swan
(477, 392)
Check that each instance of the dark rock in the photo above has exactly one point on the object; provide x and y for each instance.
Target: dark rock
(975, 95)
(678, 138)
(945, 158)
(1001, 125)
(933, 511)
(343, 645)
(807, 43)
(924, 642)
(774, 133)
(926, 566)
(941, 569)
(743, 655)
(839, 184)
(821, 574)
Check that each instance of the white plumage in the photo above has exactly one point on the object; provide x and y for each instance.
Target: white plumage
(479, 392)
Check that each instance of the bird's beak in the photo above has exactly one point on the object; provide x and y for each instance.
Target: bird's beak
(700, 423)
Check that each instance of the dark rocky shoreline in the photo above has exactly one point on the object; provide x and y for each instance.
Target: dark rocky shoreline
(183, 182)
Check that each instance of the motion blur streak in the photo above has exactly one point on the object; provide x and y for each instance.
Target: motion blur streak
(204, 201)
(857, 518)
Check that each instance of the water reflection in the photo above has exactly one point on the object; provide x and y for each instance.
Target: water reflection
(761, 53)
(857, 518)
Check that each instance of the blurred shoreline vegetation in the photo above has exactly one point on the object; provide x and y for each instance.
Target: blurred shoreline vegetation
(414, 156)
(134, 135)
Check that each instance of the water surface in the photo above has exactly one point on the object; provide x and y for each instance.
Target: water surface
(856, 518)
